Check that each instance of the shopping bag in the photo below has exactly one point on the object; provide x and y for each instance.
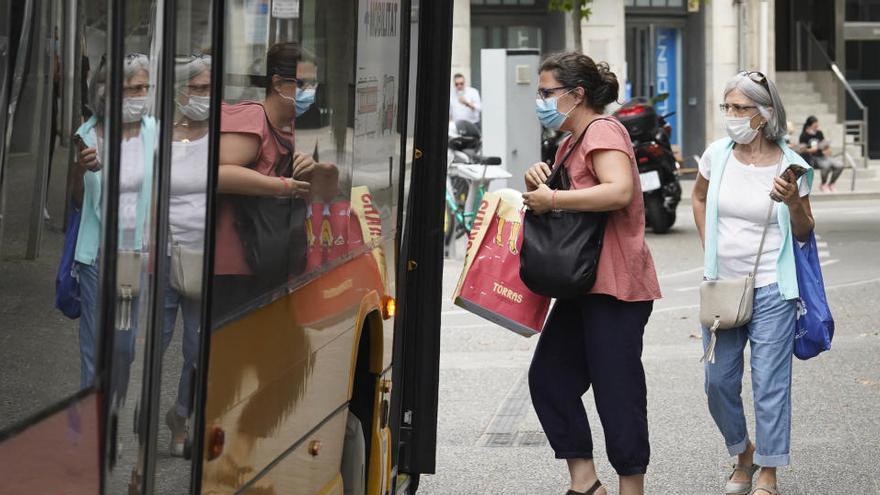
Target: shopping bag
(489, 285)
(815, 325)
(67, 295)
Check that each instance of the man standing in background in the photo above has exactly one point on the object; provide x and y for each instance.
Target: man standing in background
(464, 102)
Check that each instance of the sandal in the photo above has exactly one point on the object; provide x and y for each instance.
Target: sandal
(591, 491)
(740, 487)
(770, 490)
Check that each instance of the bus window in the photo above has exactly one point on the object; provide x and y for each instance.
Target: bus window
(284, 319)
(182, 297)
(285, 151)
(132, 145)
(50, 412)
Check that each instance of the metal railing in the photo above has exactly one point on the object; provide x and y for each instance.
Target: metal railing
(855, 129)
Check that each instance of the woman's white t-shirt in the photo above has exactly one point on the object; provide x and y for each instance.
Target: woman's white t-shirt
(189, 175)
(743, 202)
(131, 178)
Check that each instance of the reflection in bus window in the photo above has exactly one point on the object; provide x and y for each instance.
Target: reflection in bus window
(261, 235)
(186, 218)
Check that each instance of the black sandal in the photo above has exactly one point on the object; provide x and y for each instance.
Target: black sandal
(591, 491)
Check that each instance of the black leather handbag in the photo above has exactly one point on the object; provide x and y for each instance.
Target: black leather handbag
(272, 229)
(560, 249)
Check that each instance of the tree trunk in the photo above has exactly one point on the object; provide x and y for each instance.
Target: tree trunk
(576, 27)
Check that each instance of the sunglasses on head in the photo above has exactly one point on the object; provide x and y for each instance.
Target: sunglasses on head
(757, 77)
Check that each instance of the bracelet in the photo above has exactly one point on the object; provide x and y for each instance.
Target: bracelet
(286, 185)
(554, 199)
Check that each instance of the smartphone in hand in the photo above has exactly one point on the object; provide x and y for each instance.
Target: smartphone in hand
(78, 141)
(796, 172)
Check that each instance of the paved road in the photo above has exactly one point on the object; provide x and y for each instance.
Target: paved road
(490, 441)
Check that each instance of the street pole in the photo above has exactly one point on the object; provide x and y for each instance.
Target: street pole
(765, 36)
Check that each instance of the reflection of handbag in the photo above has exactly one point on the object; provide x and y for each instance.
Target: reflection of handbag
(186, 271)
(67, 291)
(726, 304)
(272, 229)
(128, 286)
(560, 249)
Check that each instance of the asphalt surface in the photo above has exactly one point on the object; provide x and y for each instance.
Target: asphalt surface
(490, 441)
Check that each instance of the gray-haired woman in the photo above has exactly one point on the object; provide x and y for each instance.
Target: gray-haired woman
(186, 218)
(739, 177)
(135, 186)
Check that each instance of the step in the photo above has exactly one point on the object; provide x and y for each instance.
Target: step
(796, 88)
(783, 77)
(800, 97)
(806, 109)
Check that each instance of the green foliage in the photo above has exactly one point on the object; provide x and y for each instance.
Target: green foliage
(582, 6)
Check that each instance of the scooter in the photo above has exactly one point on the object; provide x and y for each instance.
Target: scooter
(658, 171)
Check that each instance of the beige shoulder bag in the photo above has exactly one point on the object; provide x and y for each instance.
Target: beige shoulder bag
(726, 304)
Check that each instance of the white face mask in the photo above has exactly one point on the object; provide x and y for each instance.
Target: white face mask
(134, 108)
(197, 109)
(740, 130)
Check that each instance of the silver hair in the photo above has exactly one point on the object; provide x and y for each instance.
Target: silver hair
(768, 102)
(191, 67)
(132, 63)
(135, 62)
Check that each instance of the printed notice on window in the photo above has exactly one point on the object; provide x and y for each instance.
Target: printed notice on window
(285, 9)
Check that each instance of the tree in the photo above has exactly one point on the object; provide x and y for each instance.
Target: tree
(578, 10)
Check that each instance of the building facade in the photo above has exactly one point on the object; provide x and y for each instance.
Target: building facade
(690, 48)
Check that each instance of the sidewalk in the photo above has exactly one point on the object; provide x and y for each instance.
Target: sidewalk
(867, 186)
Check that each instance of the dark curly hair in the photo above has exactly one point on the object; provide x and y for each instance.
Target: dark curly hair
(576, 70)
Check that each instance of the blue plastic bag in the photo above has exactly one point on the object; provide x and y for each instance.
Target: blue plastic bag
(815, 325)
(67, 295)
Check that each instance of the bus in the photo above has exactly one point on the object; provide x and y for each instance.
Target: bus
(221, 244)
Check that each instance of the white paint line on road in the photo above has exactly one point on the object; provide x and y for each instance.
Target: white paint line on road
(684, 272)
(454, 312)
(675, 308)
(687, 289)
(853, 284)
(824, 254)
(821, 244)
(829, 262)
(827, 288)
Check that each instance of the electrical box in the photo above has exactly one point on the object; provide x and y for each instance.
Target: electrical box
(510, 127)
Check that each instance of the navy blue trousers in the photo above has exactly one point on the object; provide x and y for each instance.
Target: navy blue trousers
(595, 340)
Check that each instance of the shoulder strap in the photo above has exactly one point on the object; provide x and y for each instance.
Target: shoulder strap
(767, 219)
(559, 173)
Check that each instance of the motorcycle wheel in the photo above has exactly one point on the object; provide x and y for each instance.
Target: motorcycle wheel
(658, 217)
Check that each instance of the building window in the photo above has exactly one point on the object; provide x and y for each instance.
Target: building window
(503, 2)
(674, 4)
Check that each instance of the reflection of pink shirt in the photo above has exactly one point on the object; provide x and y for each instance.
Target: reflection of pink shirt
(246, 117)
(626, 269)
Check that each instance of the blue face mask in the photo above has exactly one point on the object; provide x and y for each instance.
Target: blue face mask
(305, 98)
(549, 116)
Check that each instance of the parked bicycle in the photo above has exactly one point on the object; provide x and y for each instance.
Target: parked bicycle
(467, 180)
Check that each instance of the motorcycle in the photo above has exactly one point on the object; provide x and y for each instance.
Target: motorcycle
(658, 170)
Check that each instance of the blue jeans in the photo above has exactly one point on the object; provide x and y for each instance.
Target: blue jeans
(89, 334)
(770, 334)
(88, 323)
(191, 311)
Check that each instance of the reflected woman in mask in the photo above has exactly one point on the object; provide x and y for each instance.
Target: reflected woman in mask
(135, 185)
(186, 216)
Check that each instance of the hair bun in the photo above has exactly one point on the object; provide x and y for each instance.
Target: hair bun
(609, 89)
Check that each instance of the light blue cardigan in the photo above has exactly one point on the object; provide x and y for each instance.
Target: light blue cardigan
(786, 276)
(89, 238)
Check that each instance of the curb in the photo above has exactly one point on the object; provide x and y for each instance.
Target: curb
(825, 197)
